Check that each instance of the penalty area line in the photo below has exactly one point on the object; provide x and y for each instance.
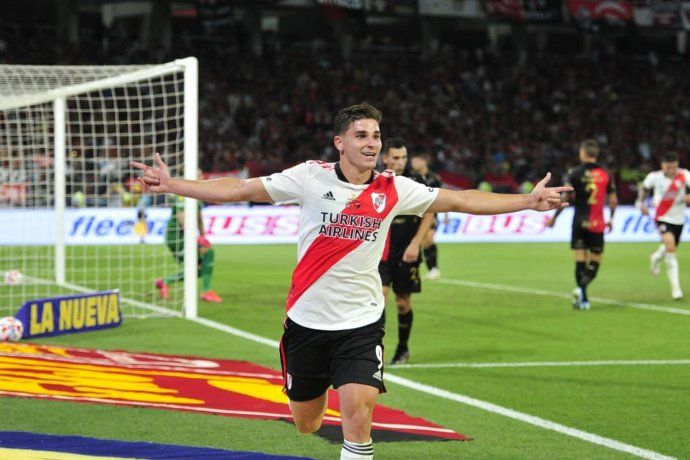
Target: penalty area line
(561, 295)
(469, 401)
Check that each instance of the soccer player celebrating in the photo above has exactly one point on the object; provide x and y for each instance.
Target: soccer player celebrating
(420, 164)
(399, 265)
(334, 326)
(670, 187)
(592, 185)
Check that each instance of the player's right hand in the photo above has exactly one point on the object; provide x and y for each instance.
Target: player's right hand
(411, 253)
(155, 179)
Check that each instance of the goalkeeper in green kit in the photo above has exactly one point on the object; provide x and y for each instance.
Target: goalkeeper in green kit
(174, 238)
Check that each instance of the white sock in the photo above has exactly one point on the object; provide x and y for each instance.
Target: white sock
(672, 270)
(659, 253)
(357, 450)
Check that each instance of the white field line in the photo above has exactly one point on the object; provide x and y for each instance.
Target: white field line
(561, 295)
(532, 420)
(238, 332)
(162, 310)
(639, 362)
(136, 303)
(487, 406)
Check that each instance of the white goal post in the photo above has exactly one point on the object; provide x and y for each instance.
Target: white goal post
(72, 215)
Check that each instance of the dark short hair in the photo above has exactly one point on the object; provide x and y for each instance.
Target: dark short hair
(591, 148)
(670, 157)
(349, 115)
(393, 143)
(421, 154)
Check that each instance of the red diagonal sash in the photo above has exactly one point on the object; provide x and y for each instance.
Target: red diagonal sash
(670, 196)
(326, 251)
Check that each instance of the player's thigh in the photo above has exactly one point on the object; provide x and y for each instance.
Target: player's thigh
(406, 279)
(308, 414)
(670, 234)
(676, 231)
(304, 358)
(578, 240)
(357, 357)
(669, 241)
(595, 244)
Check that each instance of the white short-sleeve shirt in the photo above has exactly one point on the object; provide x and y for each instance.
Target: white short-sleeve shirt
(669, 195)
(343, 228)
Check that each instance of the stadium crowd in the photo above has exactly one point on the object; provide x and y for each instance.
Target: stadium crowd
(487, 117)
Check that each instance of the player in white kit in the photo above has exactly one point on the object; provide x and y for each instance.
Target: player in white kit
(670, 188)
(333, 329)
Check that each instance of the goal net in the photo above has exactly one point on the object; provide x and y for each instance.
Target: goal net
(73, 217)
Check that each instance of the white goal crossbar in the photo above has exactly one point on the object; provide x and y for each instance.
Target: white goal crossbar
(32, 95)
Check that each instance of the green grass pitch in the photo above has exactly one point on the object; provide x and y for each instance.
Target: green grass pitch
(647, 406)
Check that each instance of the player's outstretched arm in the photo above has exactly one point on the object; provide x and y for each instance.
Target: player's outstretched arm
(613, 204)
(412, 250)
(227, 189)
(642, 193)
(542, 198)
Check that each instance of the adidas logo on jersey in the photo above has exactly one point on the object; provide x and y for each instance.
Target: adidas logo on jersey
(378, 375)
(328, 196)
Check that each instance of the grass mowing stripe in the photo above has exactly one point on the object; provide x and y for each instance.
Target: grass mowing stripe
(560, 295)
(493, 408)
(639, 362)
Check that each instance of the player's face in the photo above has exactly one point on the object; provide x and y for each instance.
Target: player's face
(583, 155)
(419, 165)
(670, 168)
(396, 159)
(360, 145)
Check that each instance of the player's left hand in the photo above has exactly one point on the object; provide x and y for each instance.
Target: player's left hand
(411, 253)
(609, 226)
(203, 242)
(547, 198)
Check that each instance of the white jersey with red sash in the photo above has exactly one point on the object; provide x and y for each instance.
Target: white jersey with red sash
(343, 228)
(669, 195)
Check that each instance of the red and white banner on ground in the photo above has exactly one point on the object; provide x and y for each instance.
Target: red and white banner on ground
(192, 384)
